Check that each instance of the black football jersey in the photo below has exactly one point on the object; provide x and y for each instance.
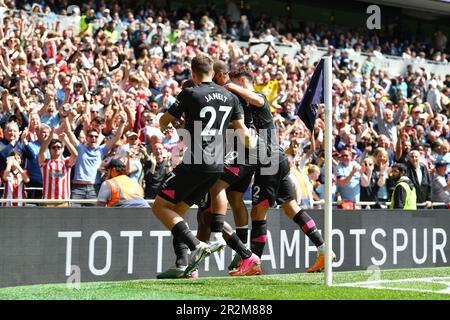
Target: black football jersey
(236, 152)
(208, 109)
(262, 118)
(248, 116)
(266, 129)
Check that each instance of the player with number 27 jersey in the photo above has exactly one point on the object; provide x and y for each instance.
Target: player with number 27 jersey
(208, 108)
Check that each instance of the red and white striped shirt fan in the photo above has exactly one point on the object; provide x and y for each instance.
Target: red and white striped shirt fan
(14, 189)
(56, 179)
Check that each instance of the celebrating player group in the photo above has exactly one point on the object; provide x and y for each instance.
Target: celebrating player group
(231, 138)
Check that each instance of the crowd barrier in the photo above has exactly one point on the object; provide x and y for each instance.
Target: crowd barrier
(49, 245)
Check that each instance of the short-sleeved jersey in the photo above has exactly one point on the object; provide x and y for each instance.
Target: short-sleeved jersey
(208, 108)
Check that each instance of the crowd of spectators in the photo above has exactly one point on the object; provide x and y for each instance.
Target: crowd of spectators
(100, 92)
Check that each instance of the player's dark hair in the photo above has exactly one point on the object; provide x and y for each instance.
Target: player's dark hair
(202, 64)
(220, 66)
(241, 72)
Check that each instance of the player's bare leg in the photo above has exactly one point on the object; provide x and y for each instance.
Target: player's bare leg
(166, 212)
(228, 235)
(203, 224)
(308, 226)
(240, 213)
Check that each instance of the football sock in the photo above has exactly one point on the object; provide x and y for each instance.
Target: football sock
(181, 252)
(234, 243)
(308, 226)
(242, 233)
(258, 237)
(321, 248)
(182, 232)
(217, 222)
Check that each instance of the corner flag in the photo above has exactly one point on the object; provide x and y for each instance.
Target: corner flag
(319, 91)
(307, 109)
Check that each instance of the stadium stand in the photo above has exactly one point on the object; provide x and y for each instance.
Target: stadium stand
(95, 65)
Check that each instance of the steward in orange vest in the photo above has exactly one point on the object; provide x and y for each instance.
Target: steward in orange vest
(120, 190)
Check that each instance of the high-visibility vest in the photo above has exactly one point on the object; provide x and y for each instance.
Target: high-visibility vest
(113, 36)
(84, 25)
(123, 188)
(411, 196)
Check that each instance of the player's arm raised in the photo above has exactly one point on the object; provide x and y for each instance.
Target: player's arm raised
(250, 96)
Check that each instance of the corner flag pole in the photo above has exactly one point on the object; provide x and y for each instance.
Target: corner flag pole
(328, 169)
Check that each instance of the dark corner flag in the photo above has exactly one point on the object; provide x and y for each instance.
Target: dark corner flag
(314, 95)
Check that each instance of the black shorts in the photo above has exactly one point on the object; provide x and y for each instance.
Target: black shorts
(204, 204)
(238, 177)
(237, 184)
(271, 189)
(186, 185)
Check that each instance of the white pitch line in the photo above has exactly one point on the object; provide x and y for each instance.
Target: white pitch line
(376, 284)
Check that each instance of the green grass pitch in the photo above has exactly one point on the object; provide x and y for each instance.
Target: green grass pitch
(399, 284)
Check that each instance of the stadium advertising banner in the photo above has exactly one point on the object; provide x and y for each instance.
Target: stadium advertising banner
(50, 245)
